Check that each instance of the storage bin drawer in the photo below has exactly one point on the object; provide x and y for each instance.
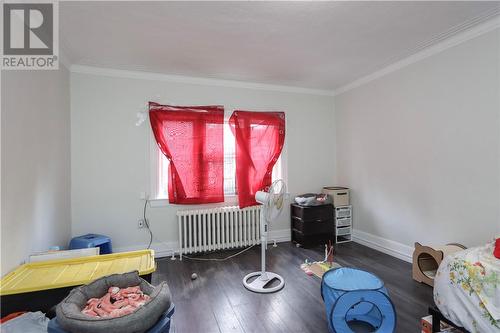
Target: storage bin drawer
(312, 213)
(343, 222)
(344, 211)
(313, 227)
(344, 239)
(38, 286)
(311, 240)
(343, 231)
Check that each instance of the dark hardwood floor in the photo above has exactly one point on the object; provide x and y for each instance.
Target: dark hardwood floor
(218, 302)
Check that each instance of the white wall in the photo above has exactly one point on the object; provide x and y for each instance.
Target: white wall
(35, 163)
(420, 148)
(110, 155)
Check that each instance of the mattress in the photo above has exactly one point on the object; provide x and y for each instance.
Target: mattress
(467, 289)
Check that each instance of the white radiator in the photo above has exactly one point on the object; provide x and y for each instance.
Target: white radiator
(219, 228)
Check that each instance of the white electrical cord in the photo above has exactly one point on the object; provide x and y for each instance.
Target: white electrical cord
(146, 222)
(219, 259)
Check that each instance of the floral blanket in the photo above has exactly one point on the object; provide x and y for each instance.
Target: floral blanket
(467, 289)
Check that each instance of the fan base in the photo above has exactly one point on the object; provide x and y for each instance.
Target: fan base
(259, 284)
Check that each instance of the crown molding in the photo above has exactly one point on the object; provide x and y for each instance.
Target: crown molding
(442, 42)
(119, 73)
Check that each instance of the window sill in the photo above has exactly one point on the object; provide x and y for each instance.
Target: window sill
(156, 203)
(229, 201)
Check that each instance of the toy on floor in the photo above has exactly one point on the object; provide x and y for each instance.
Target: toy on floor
(318, 268)
(329, 250)
(426, 260)
(350, 295)
(426, 323)
(306, 267)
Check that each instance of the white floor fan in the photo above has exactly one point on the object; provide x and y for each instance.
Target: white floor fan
(272, 206)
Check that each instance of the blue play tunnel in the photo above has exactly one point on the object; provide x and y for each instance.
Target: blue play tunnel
(354, 295)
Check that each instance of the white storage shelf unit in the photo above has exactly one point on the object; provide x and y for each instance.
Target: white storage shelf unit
(343, 224)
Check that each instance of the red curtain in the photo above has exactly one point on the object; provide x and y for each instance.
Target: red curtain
(259, 140)
(191, 137)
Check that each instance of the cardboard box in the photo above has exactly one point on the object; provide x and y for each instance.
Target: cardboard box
(340, 195)
(426, 323)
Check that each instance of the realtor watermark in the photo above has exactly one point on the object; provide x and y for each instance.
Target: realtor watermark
(30, 35)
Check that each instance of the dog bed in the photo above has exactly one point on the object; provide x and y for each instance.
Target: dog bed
(71, 318)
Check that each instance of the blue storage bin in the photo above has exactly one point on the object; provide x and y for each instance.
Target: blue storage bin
(351, 294)
(161, 326)
(92, 240)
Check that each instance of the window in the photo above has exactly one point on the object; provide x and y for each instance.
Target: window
(160, 168)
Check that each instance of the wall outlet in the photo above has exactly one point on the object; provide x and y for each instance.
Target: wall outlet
(141, 224)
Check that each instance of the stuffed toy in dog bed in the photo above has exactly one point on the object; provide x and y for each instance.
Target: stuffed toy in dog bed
(70, 316)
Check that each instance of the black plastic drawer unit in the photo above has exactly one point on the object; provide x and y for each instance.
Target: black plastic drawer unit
(312, 225)
(311, 213)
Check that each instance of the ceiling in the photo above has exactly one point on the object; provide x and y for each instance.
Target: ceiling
(321, 45)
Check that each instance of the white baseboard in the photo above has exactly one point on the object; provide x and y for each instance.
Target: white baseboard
(166, 249)
(161, 249)
(282, 235)
(390, 247)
